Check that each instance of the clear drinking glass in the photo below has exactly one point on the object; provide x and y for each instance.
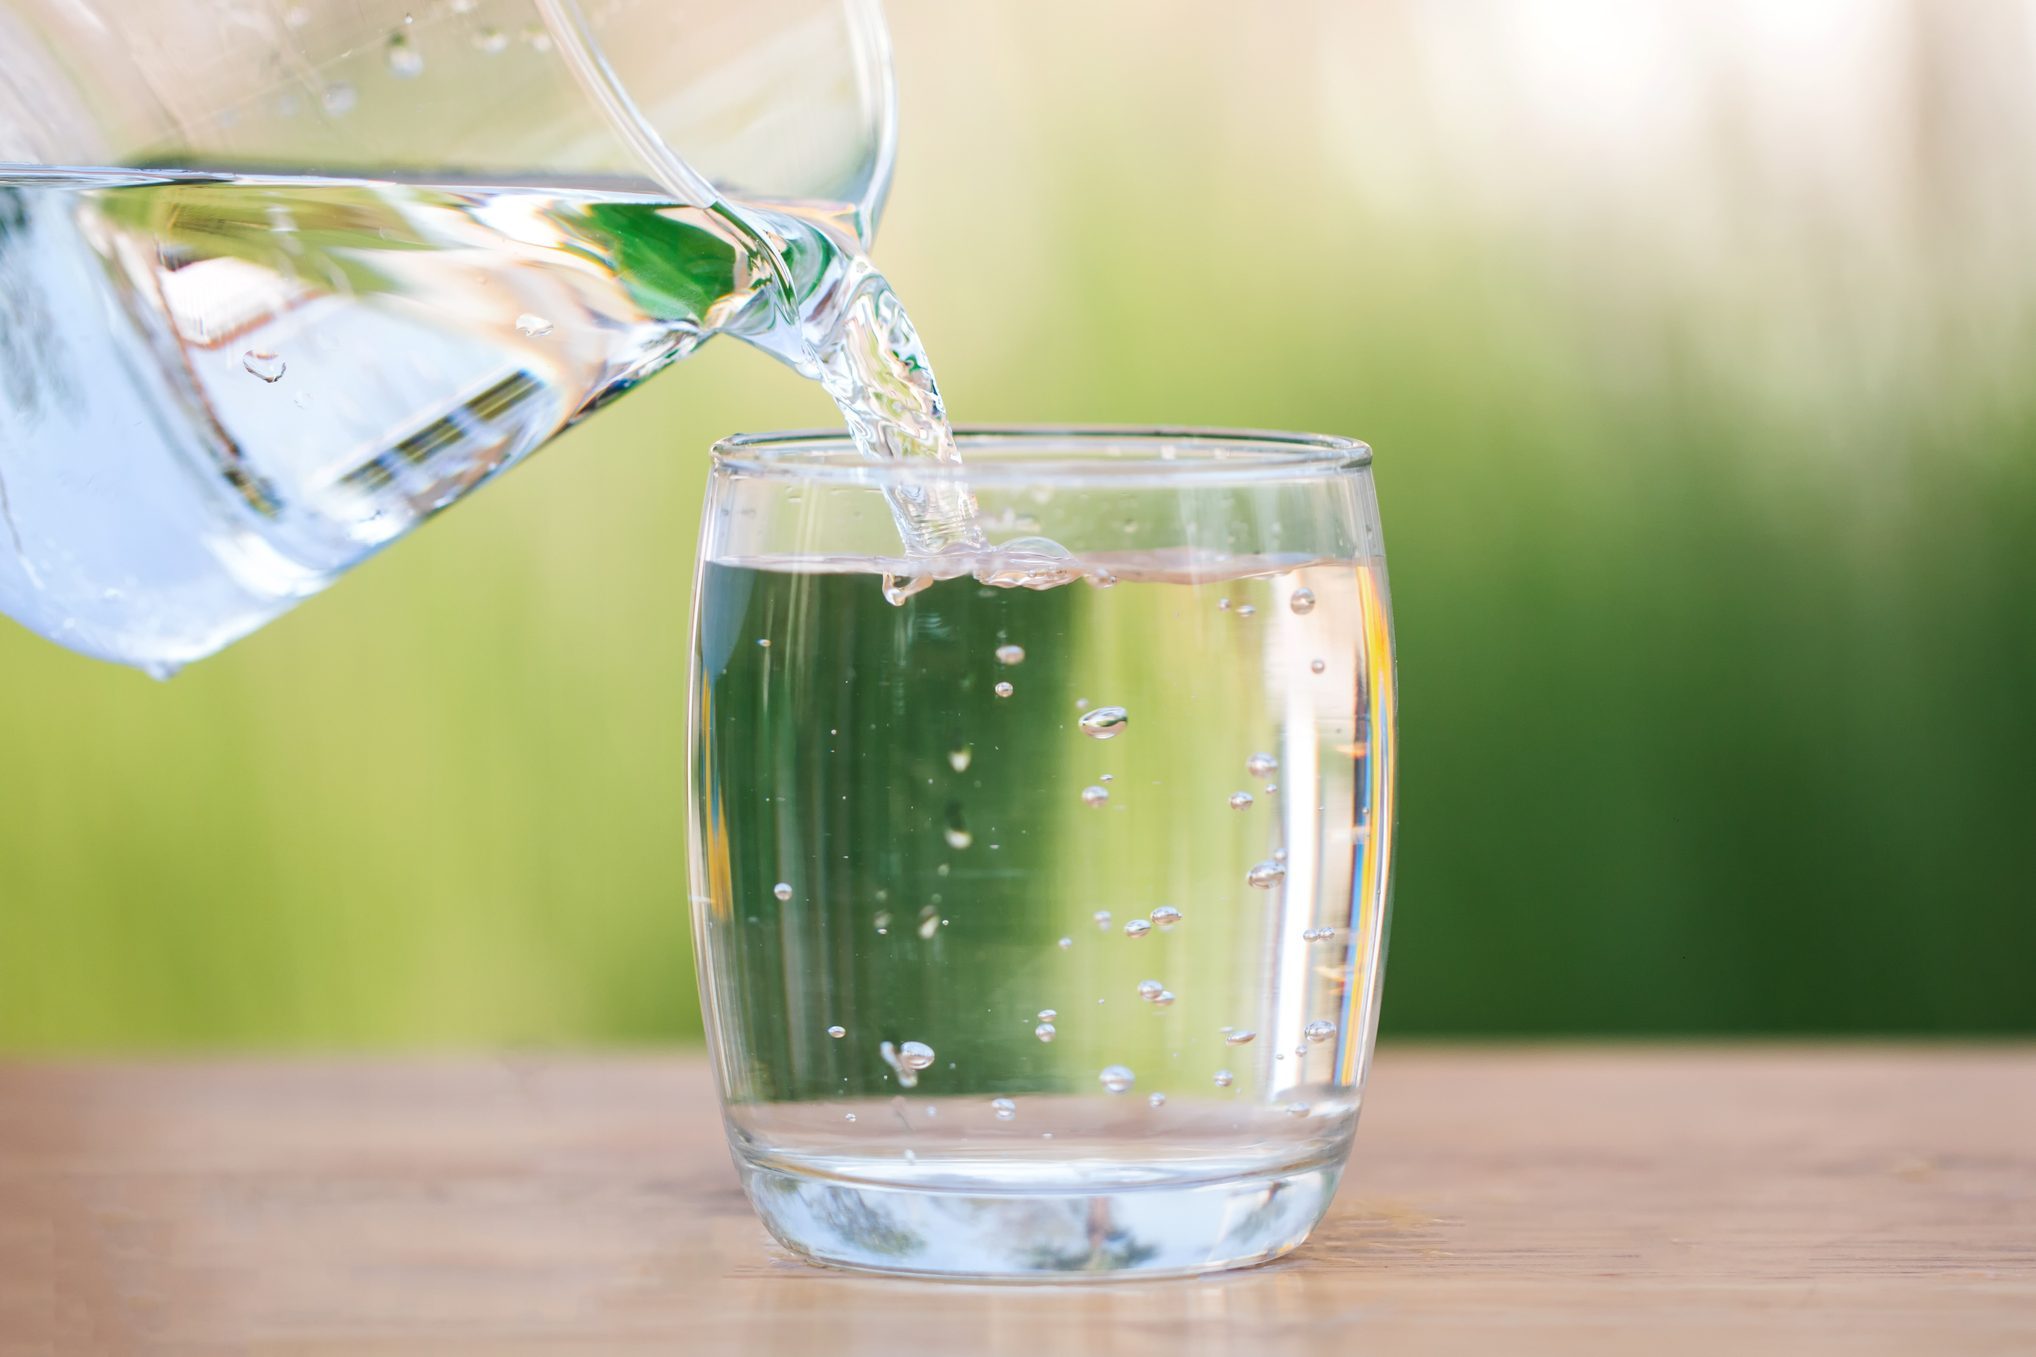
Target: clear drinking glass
(1041, 912)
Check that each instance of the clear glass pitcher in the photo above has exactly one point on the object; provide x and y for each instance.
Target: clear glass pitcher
(279, 279)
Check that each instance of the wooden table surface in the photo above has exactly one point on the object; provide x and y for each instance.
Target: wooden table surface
(1633, 1199)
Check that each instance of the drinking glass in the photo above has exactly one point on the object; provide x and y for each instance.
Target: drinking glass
(1040, 892)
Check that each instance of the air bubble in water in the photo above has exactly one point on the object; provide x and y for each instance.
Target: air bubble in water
(264, 365)
(958, 835)
(848, 1116)
(1246, 610)
(1224, 1078)
(1319, 1031)
(1117, 1078)
(1156, 1100)
(1279, 855)
(1095, 796)
(1166, 916)
(1010, 655)
(783, 890)
(958, 758)
(929, 922)
(1101, 918)
(405, 61)
(1066, 944)
(1048, 1014)
(1002, 690)
(883, 922)
(907, 1060)
(1297, 1109)
(338, 99)
(1102, 579)
(1045, 1031)
(532, 326)
(539, 40)
(837, 1031)
(1222, 605)
(1261, 766)
(1317, 666)
(1240, 800)
(1004, 1108)
(1150, 990)
(1302, 601)
(1239, 1038)
(1137, 928)
(1104, 723)
(1265, 875)
(1164, 998)
(491, 42)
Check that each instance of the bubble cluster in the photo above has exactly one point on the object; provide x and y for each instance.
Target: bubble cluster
(1117, 1078)
(1317, 934)
(1104, 723)
(1010, 655)
(907, 1060)
(1004, 1108)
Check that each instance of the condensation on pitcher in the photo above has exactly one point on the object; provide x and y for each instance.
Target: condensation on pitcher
(1117, 1078)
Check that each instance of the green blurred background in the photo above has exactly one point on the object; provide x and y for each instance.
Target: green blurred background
(1696, 342)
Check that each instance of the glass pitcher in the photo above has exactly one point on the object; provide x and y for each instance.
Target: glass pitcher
(279, 279)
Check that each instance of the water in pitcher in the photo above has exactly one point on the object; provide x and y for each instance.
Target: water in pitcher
(1004, 892)
(219, 392)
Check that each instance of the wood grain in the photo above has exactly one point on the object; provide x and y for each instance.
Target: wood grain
(1560, 1200)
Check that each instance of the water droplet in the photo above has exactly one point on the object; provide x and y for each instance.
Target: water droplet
(1048, 1014)
(783, 890)
(1009, 655)
(1240, 800)
(1246, 610)
(1317, 666)
(491, 42)
(1302, 601)
(763, 642)
(929, 922)
(837, 1031)
(1045, 1031)
(1004, 1108)
(1297, 1109)
(1149, 990)
(1156, 1100)
(1165, 998)
(1166, 916)
(958, 759)
(1237, 1038)
(1104, 723)
(1095, 796)
(1117, 1078)
(532, 326)
(1261, 766)
(405, 61)
(1066, 944)
(338, 98)
(1224, 1078)
(1136, 929)
(1265, 875)
(1101, 918)
(1002, 690)
(958, 835)
(264, 365)
(1318, 1031)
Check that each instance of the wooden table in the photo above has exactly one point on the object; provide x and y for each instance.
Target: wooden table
(1638, 1199)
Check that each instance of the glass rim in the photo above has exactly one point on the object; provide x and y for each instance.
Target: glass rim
(1027, 453)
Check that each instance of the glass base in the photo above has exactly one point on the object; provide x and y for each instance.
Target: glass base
(1046, 1233)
